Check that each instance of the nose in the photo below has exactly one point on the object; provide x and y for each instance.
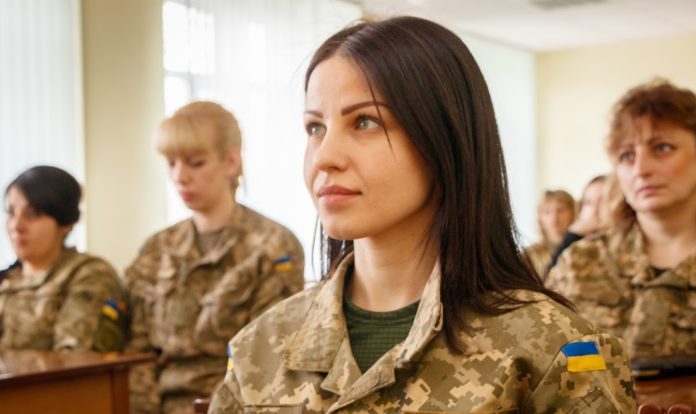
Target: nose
(643, 163)
(328, 153)
(179, 173)
(15, 223)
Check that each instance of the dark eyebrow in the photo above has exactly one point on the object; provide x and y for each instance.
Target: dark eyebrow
(315, 113)
(350, 108)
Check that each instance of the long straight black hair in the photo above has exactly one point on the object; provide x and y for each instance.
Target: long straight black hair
(434, 88)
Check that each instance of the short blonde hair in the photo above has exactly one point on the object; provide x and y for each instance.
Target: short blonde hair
(183, 133)
(560, 196)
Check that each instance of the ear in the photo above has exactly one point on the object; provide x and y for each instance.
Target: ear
(232, 160)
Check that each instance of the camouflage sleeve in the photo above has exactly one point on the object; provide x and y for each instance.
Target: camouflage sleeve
(578, 381)
(142, 378)
(226, 398)
(80, 321)
(283, 275)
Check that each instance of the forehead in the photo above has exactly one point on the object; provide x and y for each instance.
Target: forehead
(338, 81)
(16, 198)
(643, 129)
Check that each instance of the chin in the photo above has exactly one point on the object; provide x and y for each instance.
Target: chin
(340, 232)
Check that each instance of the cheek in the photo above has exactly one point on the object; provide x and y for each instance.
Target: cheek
(308, 170)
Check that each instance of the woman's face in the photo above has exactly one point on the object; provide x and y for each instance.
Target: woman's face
(656, 167)
(363, 183)
(36, 237)
(591, 201)
(203, 179)
(555, 218)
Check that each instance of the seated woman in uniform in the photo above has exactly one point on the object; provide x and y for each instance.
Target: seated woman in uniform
(54, 298)
(638, 280)
(555, 213)
(590, 218)
(195, 284)
(427, 304)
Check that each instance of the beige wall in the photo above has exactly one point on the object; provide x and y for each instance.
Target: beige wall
(576, 90)
(123, 98)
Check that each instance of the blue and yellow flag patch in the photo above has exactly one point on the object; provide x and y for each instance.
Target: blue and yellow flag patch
(583, 357)
(112, 309)
(283, 264)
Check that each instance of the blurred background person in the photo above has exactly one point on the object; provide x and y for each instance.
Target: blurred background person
(556, 212)
(638, 280)
(195, 284)
(54, 298)
(591, 217)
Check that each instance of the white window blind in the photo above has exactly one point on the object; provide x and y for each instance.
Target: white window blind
(40, 94)
(251, 56)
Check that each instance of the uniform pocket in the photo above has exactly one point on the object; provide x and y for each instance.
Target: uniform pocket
(225, 309)
(32, 321)
(682, 337)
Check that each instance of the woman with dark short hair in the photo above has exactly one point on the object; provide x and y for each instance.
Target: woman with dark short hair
(54, 298)
(638, 280)
(426, 304)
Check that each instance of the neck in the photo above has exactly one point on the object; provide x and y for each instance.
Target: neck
(670, 236)
(32, 266)
(217, 216)
(391, 271)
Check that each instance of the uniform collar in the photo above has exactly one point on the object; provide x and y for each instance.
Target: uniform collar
(321, 343)
(183, 238)
(634, 263)
(16, 280)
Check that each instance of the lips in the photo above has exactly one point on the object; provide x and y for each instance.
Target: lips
(649, 189)
(335, 195)
(186, 195)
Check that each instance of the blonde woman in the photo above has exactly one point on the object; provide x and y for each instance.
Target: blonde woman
(556, 213)
(194, 285)
(638, 280)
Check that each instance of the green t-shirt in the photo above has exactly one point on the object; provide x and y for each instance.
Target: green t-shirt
(372, 334)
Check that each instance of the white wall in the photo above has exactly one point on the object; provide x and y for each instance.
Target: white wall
(577, 89)
(123, 94)
(510, 74)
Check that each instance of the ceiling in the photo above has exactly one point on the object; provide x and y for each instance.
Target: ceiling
(548, 25)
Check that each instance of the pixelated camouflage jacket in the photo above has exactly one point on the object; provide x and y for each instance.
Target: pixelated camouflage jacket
(540, 254)
(61, 308)
(186, 307)
(296, 358)
(610, 280)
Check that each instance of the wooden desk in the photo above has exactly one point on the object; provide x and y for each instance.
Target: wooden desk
(66, 382)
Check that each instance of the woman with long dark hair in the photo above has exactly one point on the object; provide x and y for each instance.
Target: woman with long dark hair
(427, 304)
(54, 298)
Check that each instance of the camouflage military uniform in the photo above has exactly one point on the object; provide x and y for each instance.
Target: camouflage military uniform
(61, 308)
(540, 254)
(296, 358)
(187, 307)
(610, 280)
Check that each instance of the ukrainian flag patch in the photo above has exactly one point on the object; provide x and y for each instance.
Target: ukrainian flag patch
(230, 358)
(112, 308)
(283, 264)
(583, 357)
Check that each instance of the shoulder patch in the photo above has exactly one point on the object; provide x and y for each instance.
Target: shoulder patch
(583, 357)
(283, 264)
